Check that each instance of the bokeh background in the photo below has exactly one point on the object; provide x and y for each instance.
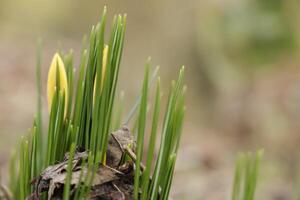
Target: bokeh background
(242, 71)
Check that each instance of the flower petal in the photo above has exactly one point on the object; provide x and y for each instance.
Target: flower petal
(57, 63)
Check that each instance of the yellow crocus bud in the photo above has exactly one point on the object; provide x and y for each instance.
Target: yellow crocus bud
(104, 63)
(58, 64)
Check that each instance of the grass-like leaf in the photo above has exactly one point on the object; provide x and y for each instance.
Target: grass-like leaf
(141, 132)
(246, 172)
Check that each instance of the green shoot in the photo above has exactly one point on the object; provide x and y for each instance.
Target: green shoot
(246, 172)
(150, 154)
(141, 132)
(69, 173)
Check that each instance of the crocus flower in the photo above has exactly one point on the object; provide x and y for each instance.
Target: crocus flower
(104, 64)
(57, 64)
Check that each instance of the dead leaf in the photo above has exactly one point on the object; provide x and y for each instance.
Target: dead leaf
(111, 181)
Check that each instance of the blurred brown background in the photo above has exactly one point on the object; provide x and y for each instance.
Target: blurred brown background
(243, 76)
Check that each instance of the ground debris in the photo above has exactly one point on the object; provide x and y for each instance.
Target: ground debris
(113, 181)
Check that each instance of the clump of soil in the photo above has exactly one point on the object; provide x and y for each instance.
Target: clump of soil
(112, 181)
